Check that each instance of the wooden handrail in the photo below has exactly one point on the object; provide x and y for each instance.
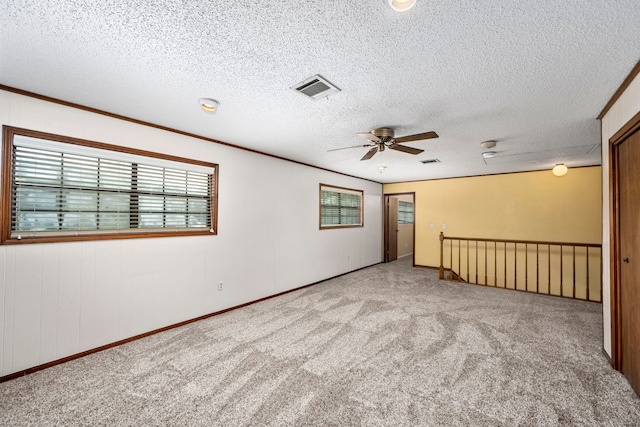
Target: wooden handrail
(581, 275)
(531, 242)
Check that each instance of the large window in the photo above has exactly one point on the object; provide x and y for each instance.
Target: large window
(405, 212)
(58, 188)
(340, 207)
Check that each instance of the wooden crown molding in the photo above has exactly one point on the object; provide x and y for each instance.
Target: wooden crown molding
(165, 128)
(625, 84)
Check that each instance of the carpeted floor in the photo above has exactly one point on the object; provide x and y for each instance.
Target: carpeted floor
(389, 345)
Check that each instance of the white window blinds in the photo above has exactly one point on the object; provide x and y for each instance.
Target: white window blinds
(340, 207)
(67, 189)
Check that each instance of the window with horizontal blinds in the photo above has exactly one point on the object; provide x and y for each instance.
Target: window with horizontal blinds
(63, 189)
(340, 207)
(405, 212)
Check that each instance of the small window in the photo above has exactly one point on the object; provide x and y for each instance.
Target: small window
(59, 188)
(405, 212)
(340, 207)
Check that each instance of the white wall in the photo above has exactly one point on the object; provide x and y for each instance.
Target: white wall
(59, 299)
(627, 106)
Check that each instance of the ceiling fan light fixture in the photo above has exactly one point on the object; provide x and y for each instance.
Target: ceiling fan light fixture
(560, 169)
(209, 105)
(400, 5)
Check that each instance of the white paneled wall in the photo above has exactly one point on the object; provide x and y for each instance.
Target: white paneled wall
(627, 106)
(59, 299)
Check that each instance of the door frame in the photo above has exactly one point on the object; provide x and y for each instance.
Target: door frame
(621, 136)
(385, 222)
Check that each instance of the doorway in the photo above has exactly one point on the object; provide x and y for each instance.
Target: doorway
(399, 226)
(625, 253)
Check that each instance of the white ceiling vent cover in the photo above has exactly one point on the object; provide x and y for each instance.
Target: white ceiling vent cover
(315, 87)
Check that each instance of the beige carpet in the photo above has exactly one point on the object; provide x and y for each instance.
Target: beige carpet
(389, 345)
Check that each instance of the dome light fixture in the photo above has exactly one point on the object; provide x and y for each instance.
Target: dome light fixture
(400, 5)
(560, 169)
(488, 144)
(209, 105)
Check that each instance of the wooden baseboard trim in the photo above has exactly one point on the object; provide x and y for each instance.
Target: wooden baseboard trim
(28, 371)
(427, 266)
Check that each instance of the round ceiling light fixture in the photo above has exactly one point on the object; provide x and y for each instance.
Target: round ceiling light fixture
(209, 105)
(560, 169)
(488, 144)
(400, 5)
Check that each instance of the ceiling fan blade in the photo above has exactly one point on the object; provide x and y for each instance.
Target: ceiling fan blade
(405, 149)
(353, 146)
(370, 154)
(369, 136)
(416, 137)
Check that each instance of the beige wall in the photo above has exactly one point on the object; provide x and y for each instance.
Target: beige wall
(405, 239)
(627, 106)
(528, 206)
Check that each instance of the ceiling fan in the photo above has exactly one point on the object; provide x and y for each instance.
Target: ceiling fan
(382, 138)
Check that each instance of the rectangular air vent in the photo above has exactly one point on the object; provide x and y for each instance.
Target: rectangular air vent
(315, 87)
(426, 162)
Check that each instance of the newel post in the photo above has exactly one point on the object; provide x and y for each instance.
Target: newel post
(441, 255)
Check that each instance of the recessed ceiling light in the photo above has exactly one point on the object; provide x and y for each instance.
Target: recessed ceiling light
(400, 5)
(488, 154)
(208, 104)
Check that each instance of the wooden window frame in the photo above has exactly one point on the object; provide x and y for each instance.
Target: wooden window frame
(6, 188)
(347, 191)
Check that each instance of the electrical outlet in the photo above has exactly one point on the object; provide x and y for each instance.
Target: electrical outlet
(219, 286)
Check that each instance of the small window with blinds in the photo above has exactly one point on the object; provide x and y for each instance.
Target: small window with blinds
(405, 212)
(340, 207)
(57, 188)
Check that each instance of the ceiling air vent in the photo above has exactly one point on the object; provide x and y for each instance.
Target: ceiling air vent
(426, 162)
(315, 87)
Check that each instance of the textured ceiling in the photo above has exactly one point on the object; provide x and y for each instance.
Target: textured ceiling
(532, 75)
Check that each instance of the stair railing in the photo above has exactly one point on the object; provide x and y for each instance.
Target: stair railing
(572, 270)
